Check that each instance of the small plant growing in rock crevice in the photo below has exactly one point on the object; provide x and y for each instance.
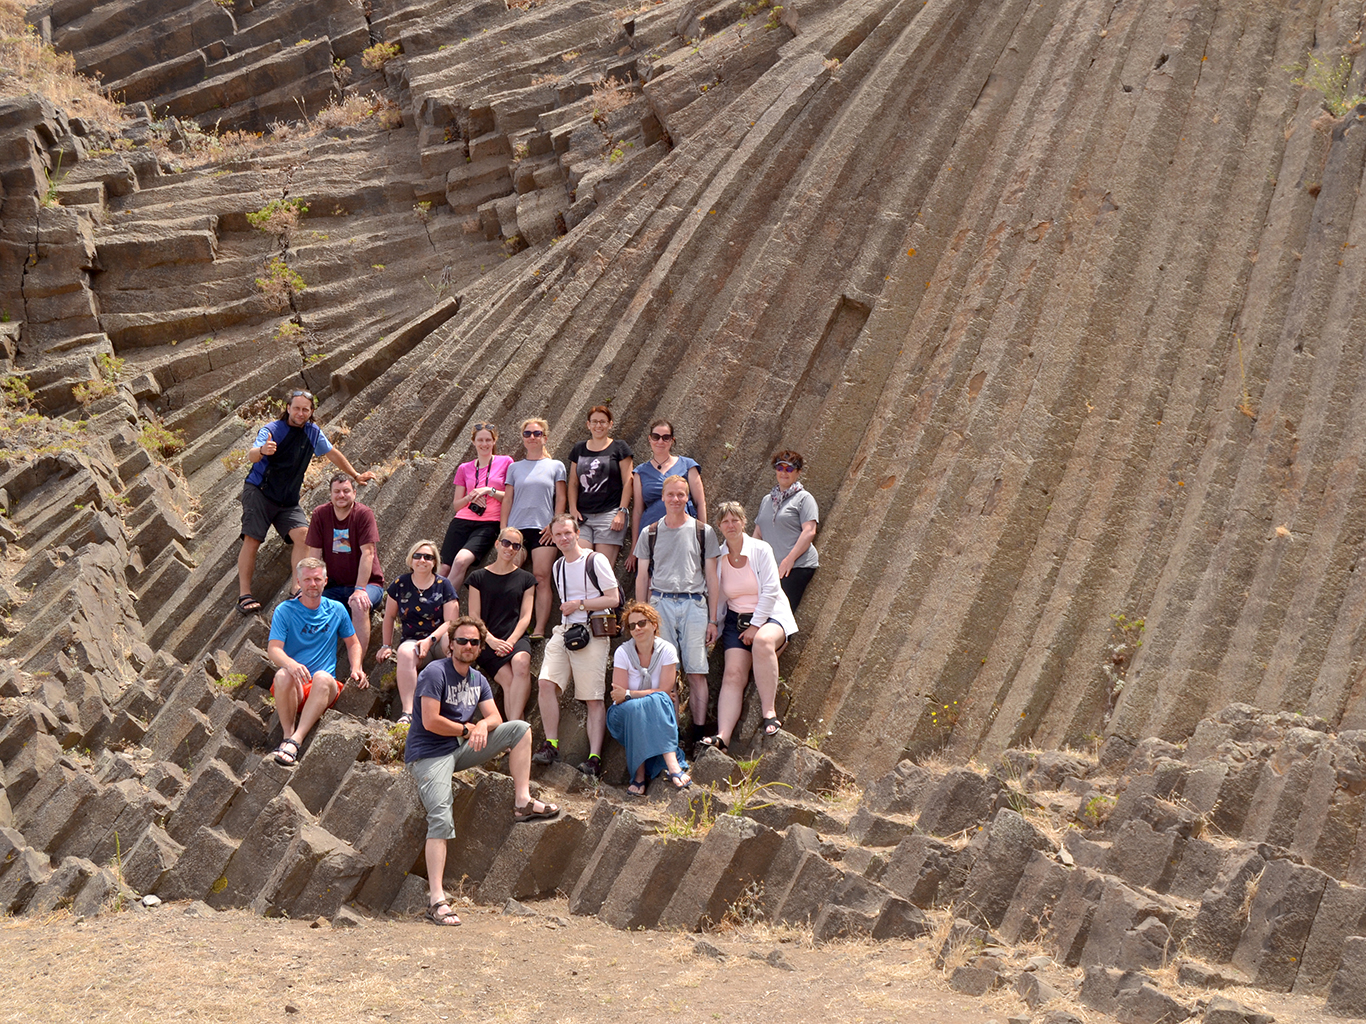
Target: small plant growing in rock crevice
(160, 441)
(107, 370)
(280, 283)
(1329, 80)
(279, 217)
(1126, 638)
(375, 57)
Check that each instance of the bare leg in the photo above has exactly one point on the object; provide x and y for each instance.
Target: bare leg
(405, 673)
(246, 564)
(460, 567)
(766, 644)
(297, 536)
(734, 677)
(597, 724)
(361, 621)
(697, 696)
(288, 695)
(519, 765)
(542, 559)
(515, 679)
(548, 701)
(320, 698)
(436, 870)
(608, 551)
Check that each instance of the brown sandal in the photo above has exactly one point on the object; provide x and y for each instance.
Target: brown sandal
(447, 920)
(528, 811)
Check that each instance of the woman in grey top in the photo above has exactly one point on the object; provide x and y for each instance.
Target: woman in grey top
(787, 519)
(534, 494)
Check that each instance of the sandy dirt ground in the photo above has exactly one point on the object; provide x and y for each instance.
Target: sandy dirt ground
(169, 965)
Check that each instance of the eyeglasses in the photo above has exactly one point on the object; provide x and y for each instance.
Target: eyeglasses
(302, 394)
(423, 556)
(638, 624)
(784, 467)
(660, 437)
(533, 433)
(511, 545)
(465, 641)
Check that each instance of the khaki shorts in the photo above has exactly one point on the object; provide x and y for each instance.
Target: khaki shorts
(587, 667)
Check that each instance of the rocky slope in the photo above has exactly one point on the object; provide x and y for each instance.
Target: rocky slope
(1058, 299)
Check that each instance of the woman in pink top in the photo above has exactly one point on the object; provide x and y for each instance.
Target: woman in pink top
(756, 621)
(478, 506)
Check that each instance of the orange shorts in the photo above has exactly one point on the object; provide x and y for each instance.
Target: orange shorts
(308, 688)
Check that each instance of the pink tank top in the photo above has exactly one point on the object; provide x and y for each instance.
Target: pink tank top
(741, 586)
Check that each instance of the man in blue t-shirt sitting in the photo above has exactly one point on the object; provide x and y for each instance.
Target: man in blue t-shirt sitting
(445, 737)
(303, 649)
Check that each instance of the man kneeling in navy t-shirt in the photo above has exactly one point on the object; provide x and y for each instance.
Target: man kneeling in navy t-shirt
(445, 738)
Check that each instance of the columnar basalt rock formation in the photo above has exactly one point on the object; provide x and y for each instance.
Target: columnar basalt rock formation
(1057, 299)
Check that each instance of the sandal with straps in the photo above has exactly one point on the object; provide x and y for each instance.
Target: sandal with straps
(770, 726)
(714, 741)
(447, 920)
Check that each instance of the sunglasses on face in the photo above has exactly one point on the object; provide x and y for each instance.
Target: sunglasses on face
(423, 556)
(465, 641)
(638, 624)
(784, 467)
(511, 545)
(661, 437)
(533, 433)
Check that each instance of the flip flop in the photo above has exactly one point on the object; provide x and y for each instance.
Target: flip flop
(637, 788)
(248, 605)
(446, 920)
(681, 780)
(287, 757)
(528, 811)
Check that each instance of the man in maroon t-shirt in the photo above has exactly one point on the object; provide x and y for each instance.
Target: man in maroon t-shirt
(344, 535)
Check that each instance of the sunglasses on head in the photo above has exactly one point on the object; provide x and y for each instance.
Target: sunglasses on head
(638, 623)
(511, 545)
(425, 556)
(533, 433)
(660, 437)
(301, 394)
(465, 641)
(483, 426)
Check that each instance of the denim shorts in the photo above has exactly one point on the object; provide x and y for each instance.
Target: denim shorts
(683, 623)
(342, 594)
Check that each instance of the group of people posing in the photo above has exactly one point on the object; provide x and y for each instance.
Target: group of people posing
(554, 532)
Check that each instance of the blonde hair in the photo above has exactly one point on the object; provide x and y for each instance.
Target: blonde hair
(731, 508)
(518, 556)
(537, 421)
(417, 546)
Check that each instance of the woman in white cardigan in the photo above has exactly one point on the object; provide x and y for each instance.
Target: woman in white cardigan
(756, 621)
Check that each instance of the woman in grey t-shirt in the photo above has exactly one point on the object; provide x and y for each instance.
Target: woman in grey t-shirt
(787, 519)
(534, 495)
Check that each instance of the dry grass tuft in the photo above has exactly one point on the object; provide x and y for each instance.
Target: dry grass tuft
(26, 66)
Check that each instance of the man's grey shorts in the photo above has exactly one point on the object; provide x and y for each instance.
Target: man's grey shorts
(259, 515)
(433, 775)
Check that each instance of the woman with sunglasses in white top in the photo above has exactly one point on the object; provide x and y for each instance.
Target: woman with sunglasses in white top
(642, 717)
(502, 594)
(535, 493)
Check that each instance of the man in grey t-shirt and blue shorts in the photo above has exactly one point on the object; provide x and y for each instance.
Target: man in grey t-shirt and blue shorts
(678, 576)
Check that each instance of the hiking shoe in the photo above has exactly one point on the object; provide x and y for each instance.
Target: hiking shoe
(545, 754)
(592, 768)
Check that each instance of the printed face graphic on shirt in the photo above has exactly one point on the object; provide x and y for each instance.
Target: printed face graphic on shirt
(592, 475)
(341, 540)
